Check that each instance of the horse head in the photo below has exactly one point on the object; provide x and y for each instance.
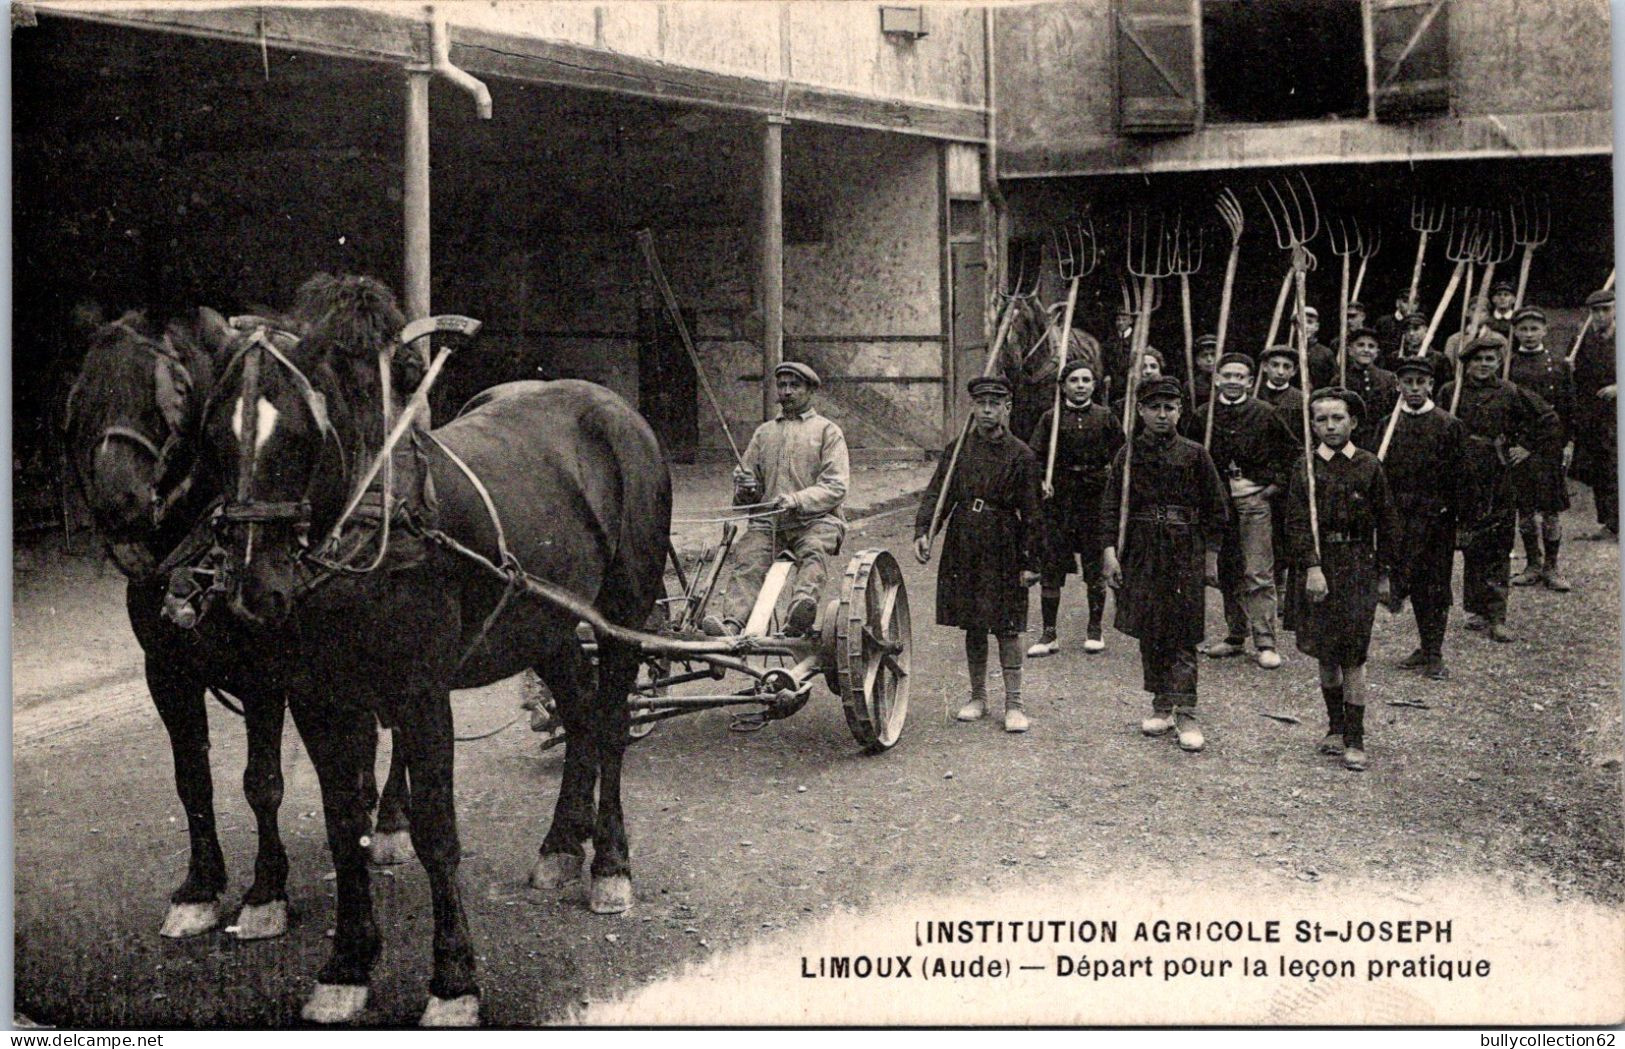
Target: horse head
(292, 418)
(130, 420)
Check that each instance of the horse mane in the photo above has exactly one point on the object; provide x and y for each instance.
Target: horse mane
(346, 321)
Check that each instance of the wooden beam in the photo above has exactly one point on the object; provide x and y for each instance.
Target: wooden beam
(368, 35)
(772, 258)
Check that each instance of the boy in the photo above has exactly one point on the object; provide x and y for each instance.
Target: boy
(1089, 435)
(1176, 519)
(1207, 355)
(1280, 389)
(1423, 467)
(1502, 424)
(1502, 295)
(1539, 489)
(1322, 359)
(1252, 449)
(1345, 573)
(1377, 387)
(990, 551)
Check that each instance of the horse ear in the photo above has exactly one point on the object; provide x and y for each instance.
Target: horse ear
(213, 331)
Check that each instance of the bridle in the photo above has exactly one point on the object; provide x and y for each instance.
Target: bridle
(244, 509)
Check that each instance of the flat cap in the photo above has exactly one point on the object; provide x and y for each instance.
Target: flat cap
(1166, 388)
(1416, 317)
(1207, 340)
(1279, 350)
(1503, 285)
(1413, 364)
(796, 368)
(1487, 339)
(1234, 358)
(988, 384)
(1601, 297)
(1355, 402)
(1364, 332)
(1357, 305)
(1528, 313)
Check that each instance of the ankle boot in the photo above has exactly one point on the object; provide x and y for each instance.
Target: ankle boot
(1336, 715)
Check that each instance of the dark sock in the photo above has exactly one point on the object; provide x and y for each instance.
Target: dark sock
(1531, 547)
(1097, 609)
(1334, 708)
(1354, 727)
(1050, 601)
(1552, 547)
(976, 661)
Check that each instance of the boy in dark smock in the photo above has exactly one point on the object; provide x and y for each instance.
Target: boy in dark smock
(1503, 424)
(1088, 437)
(1596, 427)
(1282, 390)
(1177, 511)
(990, 554)
(1540, 491)
(1424, 468)
(1345, 574)
(1377, 388)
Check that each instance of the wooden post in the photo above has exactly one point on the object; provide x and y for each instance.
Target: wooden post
(415, 196)
(772, 259)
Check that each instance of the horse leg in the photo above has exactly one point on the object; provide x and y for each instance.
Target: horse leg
(565, 672)
(195, 905)
(426, 737)
(611, 719)
(265, 905)
(391, 838)
(338, 742)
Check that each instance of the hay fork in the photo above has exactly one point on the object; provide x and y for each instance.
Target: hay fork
(1152, 253)
(1187, 250)
(1426, 218)
(1369, 246)
(1077, 254)
(1230, 211)
(1463, 244)
(1295, 226)
(1531, 227)
(1347, 241)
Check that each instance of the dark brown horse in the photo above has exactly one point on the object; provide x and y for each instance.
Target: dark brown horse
(131, 423)
(562, 479)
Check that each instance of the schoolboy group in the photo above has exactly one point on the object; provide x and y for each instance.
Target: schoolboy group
(1409, 464)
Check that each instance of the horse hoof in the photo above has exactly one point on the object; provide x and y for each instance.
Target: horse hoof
(334, 1003)
(262, 921)
(390, 848)
(190, 919)
(611, 895)
(555, 870)
(451, 1012)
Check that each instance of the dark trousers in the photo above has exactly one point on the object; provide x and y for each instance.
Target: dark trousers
(1605, 489)
(1485, 571)
(1170, 674)
(1432, 617)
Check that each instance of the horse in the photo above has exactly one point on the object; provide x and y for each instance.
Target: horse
(130, 423)
(561, 479)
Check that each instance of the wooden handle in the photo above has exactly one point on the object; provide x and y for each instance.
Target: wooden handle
(1055, 419)
(1343, 328)
(1224, 326)
(1308, 446)
(1190, 334)
(1388, 431)
(1007, 316)
(1275, 328)
(1416, 271)
(1130, 399)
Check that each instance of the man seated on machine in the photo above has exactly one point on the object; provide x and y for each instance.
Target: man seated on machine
(795, 472)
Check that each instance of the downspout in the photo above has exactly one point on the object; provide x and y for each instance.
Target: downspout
(440, 62)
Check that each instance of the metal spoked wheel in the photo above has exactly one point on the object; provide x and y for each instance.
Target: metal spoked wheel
(872, 648)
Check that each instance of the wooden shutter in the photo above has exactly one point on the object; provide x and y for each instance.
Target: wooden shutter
(1411, 51)
(1157, 77)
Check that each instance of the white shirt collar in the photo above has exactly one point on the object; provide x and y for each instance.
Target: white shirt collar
(1326, 453)
(1427, 406)
(1225, 400)
(1270, 385)
(1538, 349)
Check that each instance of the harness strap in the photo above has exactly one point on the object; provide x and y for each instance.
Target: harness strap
(135, 437)
(503, 552)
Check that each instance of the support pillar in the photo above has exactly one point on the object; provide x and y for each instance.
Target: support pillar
(416, 195)
(772, 259)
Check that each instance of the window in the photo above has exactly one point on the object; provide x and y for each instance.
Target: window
(1274, 60)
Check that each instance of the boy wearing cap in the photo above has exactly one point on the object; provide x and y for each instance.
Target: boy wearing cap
(1377, 387)
(1356, 317)
(1280, 389)
(990, 552)
(1596, 428)
(1410, 345)
(799, 464)
(1176, 516)
(1539, 488)
(1252, 449)
(1503, 293)
(1345, 564)
(1424, 468)
(1322, 359)
(1151, 367)
(1088, 436)
(1503, 424)
(1207, 357)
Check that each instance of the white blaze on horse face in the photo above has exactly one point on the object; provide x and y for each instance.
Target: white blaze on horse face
(265, 423)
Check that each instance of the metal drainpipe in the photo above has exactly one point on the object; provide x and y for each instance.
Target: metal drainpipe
(416, 190)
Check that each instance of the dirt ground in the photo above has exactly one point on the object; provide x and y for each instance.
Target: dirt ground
(1510, 771)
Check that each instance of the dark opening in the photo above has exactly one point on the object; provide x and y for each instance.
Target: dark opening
(1272, 60)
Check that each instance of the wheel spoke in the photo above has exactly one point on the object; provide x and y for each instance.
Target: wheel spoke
(890, 663)
(887, 608)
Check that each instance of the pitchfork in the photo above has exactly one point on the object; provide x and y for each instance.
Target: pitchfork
(1531, 226)
(1275, 321)
(1077, 254)
(1296, 220)
(1229, 210)
(1153, 250)
(1009, 303)
(1369, 246)
(1188, 248)
(1347, 241)
(1426, 218)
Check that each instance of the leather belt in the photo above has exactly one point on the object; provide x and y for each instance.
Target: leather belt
(1345, 538)
(1163, 515)
(981, 506)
